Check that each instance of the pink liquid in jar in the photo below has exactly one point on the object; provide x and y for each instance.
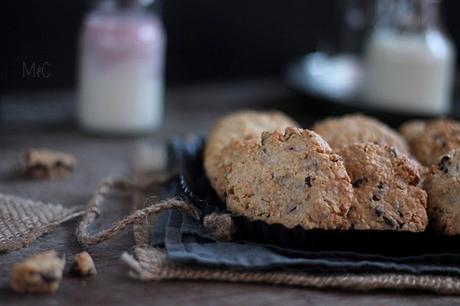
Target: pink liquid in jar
(121, 88)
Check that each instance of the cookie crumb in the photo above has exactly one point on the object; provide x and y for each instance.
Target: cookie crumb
(47, 164)
(83, 265)
(40, 273)
(220, 226)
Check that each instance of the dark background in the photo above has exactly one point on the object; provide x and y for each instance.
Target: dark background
(207, 39)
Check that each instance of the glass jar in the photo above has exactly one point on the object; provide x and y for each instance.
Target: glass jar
(121, 69)
(409, 59)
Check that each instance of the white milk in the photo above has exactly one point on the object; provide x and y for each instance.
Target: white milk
(121, 98)
(121, 77)
(412, 73)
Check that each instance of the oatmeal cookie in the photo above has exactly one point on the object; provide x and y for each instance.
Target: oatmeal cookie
(386, 195)
(443, 188)
(431, 139)
(244, 126)
(40, 273)
(292, 179)
(357, 128)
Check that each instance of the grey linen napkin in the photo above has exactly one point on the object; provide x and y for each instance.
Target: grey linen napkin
(187, 242)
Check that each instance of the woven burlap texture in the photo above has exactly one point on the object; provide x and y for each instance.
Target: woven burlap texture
(22, 221)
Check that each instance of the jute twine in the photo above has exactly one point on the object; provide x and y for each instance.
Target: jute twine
(150, 264)
(22, 221)
(137, 217)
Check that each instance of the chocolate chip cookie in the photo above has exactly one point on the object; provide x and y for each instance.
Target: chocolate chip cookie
(443, 188)
(386, 195)
(291, 178)
(431, 139)
(357, 128)
(244, 126)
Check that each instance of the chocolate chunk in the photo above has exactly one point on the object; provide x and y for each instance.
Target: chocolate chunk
(390, 222)
(379, 211)
(393, 152)
(359, 182)
(47, 278)
(291, 208)
(309, 180)
(376, 197)
(444, 163)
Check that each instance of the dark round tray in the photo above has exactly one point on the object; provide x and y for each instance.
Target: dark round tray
(196, 189)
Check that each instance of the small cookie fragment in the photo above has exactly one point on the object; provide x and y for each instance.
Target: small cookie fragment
(220, 226)
(48, 164)
(386, 195)
(243, 126)
(291, 178)
(443, 188)
(343, 131)
(83, 265)
(40, 273)
(431, 139)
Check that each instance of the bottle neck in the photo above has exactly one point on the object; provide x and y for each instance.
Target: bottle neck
(111, 5)
(408, 15)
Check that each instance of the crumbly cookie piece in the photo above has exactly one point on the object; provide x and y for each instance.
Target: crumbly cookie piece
(357, 128)
(443, 188)
(220, 226)
(83, 265)
(40, 273)
(386, 195)
(244, 126)
(293, 179)
(431, 139)
(44, 163)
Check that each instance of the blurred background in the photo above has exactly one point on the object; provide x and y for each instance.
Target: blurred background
(207, 41)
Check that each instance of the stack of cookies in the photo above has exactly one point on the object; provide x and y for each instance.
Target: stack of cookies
(352, 172)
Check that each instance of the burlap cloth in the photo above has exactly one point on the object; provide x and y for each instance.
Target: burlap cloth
(150, 264)
(22, 221)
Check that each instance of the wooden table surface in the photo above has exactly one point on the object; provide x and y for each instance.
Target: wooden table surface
(189, 109)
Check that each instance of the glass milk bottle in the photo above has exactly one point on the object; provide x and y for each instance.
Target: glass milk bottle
(410, 61)
(121, 69)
